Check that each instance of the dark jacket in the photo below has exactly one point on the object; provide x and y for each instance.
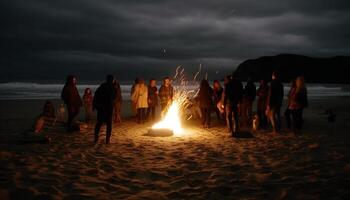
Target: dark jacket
(250, 91)
(152, 96)
(301, 98)
(205, 97)
(276, 94)
(70, 96)
(233, 92)
(166, 94)
(104, 101)
(218, 95)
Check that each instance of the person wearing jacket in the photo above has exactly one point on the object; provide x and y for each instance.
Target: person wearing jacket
(87, 102)
(274, 102)
(298, 101)
(205, 97)
(262, 94)
(217, 93)
(288, 112)
(166, 93)
(250, 95)
(71, 98)
(104, 102)
(140, 99)
(152, 100)
(233, 96)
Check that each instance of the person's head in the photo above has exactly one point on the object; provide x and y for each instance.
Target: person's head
(141, 82)
(71, 80)
(166, 81)
(152, 82)
(216, 84)
(87, 91)
(300, 82)
(204, 84)
(109, 79)
(262, 82)
(227, 79)
(275, 75)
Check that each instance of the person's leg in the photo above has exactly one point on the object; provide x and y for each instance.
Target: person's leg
(208, 117)
(287, 115)
(148, 113)
(236, 119)
(228, 110)
(97, 130)
(139, 116)
(203, 119)
(108, 130)
(299, 117)
(273, 119)
(249, 112)
(278, 119)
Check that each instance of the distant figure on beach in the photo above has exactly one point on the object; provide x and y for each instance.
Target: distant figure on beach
(71, 98)
(217, 93)
(288, 112)
(233, 96)
(104, 102)
(250, 95)
(298, 101)
(87, 102)
(205, 97)
(133, 106)
(166, 93)
(262, 94)
(274, 102)
(140, 99)
(117, 118)
(49, 109)
(152, 100)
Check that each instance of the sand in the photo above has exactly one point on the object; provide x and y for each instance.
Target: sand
(202, 164)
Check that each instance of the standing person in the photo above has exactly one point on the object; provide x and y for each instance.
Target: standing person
(87, 102)
(166, 92)
(233, 96)
(274, 102)
(298, 102)
(262, 94)
(205, 97)
(140, 98)
(103, 102)
(250, 92)
(71, 98)
(152, 100)
(288, 112)
(217, 92)
(133, 106)
(117, 102)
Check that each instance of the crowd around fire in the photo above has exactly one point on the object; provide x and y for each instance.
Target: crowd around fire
(232, 103)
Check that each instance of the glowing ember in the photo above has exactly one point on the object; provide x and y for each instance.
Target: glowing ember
(171, 120)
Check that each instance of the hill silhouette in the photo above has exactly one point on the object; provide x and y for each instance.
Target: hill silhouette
(315, 70)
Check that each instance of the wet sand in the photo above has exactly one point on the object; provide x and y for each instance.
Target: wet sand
(202, 164)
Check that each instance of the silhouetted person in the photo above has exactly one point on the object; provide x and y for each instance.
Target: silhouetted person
(103, 102)
(49, 110)
(71, 98)
(117, 102)
(166, 93)
(140, 98)
(288, 112)
(250, 94)
(217, 89)
(274, 102)
(152, 100)
(87, 102)
(205, 97)
(262, 94)
(298, 102)
(233, 96)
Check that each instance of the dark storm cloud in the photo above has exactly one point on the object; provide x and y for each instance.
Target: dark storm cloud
(45, 39)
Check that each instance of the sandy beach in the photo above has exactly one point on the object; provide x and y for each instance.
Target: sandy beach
(202, 164)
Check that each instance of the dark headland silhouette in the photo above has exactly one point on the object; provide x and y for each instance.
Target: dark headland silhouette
(315, 70)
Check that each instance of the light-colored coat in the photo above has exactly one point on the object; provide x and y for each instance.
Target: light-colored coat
(140, 96)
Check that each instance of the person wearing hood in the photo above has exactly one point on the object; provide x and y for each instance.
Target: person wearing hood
(71, 98)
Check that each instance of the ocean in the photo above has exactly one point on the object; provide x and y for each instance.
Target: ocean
(26, 90)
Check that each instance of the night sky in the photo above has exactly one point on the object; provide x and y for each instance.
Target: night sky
(48, 39)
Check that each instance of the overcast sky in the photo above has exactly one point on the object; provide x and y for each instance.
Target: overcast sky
(47, 39)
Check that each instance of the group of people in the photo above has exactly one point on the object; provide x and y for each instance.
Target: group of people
(232, 103)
